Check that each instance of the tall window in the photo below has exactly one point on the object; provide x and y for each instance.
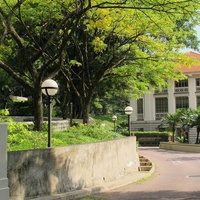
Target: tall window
(161, 105)
(140, 106)
(197, 81)
(198, 101)
(182, 83)
(182, 102)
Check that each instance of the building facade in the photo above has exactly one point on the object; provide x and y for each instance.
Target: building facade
(150, 108)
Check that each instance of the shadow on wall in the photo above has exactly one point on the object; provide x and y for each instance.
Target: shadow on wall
(38, 173)
(43, 172)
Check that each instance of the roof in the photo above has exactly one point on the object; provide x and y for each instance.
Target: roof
(192, 68)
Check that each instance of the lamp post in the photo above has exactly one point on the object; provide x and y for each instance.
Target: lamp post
(114, 118)
(128, 111)
(49, 87)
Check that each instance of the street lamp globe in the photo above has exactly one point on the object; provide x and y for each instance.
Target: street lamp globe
(114, 117)
(128, 110)
(49, 87)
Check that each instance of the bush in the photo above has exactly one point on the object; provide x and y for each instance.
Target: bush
(151, 138)
(95, 130)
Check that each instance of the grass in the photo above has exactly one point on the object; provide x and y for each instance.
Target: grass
(20, 138)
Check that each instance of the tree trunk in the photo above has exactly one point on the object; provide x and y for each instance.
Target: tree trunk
(38, 109)
(86, 109)
(197, 138)
(85, 114)
(173, 133)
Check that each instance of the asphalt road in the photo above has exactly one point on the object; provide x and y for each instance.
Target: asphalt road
(177, 176)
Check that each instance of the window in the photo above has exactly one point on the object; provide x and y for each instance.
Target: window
(197, 81)
(182, 102)
(198, 101)
(182, 83)
(140, 106)
(161, 105)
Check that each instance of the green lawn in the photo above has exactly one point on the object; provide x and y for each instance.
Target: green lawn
(20, 138)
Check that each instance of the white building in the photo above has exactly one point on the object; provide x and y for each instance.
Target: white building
(150, 108)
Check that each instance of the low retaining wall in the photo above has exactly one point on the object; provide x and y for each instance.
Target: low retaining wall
(59, 125)
(58, 170)
(180, 147)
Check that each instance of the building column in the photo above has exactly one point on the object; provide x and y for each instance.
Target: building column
(171, 99)
(149, 107)
(192, 95)
(133, 104)
(4, 190)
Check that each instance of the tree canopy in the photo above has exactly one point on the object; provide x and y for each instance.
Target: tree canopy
(83, 44)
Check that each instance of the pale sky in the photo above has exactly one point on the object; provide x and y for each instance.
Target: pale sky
(198, 35)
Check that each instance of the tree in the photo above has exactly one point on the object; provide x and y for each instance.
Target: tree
(106, 46)
(196, 123)
(33, 38)
(186, 119)
(89, 41)
(172, 120)
(183, 118)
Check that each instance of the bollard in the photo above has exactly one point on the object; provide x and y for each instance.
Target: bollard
(4, 190)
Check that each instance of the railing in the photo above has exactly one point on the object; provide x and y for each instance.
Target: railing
(198, 89)
(159, 116)
(181, 90)
(164, 91)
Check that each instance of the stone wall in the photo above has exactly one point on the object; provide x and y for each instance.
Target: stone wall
(60, 125)
(48, 171)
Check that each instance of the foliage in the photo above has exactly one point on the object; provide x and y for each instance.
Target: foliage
(4, 112)
(183, 118)
(21, 138)
(96, 131)
(84, 44)
(180, 139)
(151, 133)
(151, 138)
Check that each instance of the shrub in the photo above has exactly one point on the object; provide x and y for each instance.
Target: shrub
(151, 138)
(95, 130)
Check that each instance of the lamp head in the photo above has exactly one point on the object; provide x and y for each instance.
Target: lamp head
(128, 110)
(49, 87)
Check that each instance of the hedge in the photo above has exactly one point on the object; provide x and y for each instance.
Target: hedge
(151, 138)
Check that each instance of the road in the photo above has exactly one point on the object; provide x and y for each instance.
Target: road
(177, 176)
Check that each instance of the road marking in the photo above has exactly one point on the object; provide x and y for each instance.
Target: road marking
(193, 176)
(176, 162)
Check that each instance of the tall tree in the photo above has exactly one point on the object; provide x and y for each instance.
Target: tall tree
(107, 45)
(90, 41)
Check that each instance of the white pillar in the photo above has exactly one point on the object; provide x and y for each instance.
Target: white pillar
(4, 190)
(149, 107)
(133, 104)
(171, 99)
(192, 94)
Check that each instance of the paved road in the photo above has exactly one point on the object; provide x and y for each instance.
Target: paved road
(177, 177)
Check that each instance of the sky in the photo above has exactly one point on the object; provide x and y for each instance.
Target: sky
(198, 35)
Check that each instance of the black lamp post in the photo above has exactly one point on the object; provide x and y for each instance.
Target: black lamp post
(128, 110)
(114, 118)
(49, 87)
